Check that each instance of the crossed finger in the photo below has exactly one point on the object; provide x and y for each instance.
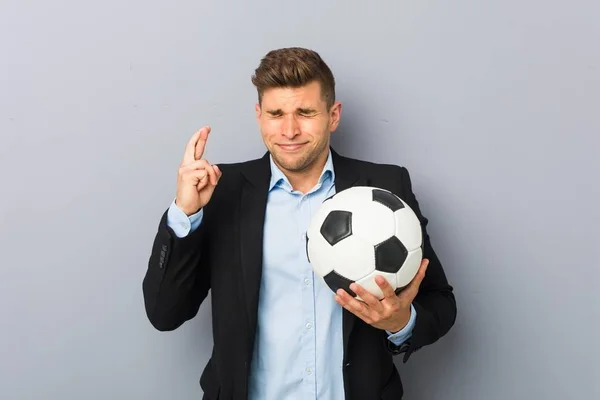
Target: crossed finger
(194, 150)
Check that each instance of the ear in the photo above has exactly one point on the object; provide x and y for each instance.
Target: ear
(257, 110)
(335, 114)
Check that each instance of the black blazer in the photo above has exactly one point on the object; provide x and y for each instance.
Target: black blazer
(225, 254)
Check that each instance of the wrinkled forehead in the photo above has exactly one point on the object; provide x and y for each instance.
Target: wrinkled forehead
(290, 99)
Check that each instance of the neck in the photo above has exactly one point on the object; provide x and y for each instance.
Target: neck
(303, 181)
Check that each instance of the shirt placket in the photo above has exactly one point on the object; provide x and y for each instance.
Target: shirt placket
(308, 303)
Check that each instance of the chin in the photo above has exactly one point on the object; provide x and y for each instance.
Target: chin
(291, 162)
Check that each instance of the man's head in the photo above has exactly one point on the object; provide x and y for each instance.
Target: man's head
(296, 109)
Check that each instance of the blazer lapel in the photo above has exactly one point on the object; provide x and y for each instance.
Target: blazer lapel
(346, 176)
(253, 206)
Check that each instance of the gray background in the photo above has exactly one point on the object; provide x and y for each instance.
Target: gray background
(492, 105)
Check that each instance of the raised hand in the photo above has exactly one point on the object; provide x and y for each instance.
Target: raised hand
(196, 178)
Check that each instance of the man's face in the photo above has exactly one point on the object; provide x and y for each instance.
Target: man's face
(296, 125)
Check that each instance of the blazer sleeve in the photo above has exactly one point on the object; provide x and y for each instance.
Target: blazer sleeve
(435, 303)
(176, 280)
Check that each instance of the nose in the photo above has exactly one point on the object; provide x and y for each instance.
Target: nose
(290, 127)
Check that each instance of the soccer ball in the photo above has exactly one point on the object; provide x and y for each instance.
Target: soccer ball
(361, 232)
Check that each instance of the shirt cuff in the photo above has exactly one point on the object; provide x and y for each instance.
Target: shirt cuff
(403, 335)
(181, 224)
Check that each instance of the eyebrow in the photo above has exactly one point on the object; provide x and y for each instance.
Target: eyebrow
(303, 110)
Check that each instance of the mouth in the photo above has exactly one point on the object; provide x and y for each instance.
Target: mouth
(291, 147)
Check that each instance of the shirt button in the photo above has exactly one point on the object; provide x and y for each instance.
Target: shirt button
(308, 325)
(306, 282)
(308, 371)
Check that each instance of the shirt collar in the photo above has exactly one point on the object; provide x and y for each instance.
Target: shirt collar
(278, 178)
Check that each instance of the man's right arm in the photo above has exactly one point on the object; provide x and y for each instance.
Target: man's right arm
(177, 279)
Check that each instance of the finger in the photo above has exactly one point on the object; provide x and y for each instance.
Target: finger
(218, 172)
(198, 164)
(188, 156)
(353, 305)
(195, 177)
(367, 297)
(386, 288)
(201, 144)
(420, 273)
(202, 183)
(212, 175)
(412, 288)
(213, 171)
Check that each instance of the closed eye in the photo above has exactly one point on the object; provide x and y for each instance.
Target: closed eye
(275, 113)
(307, 112)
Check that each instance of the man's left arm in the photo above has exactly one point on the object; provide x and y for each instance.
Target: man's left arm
(434, 300)
(422, 312)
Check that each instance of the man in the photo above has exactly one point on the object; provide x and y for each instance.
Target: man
(237, 229)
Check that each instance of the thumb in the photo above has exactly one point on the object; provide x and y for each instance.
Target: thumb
(218, 172)
(420, 273)
(413, 287)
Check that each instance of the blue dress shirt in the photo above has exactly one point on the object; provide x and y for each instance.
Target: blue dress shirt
(298, 350)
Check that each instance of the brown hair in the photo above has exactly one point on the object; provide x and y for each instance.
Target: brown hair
(294, 67)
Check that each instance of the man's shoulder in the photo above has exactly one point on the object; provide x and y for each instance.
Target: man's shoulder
(234, 174)
(394, 177)
(240, 165)
(236, 167)
(373, 168)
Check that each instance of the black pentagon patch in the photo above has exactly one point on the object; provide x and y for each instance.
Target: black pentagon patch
(335, 281)
(390, 255)
(337, 226)
(387, 199)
